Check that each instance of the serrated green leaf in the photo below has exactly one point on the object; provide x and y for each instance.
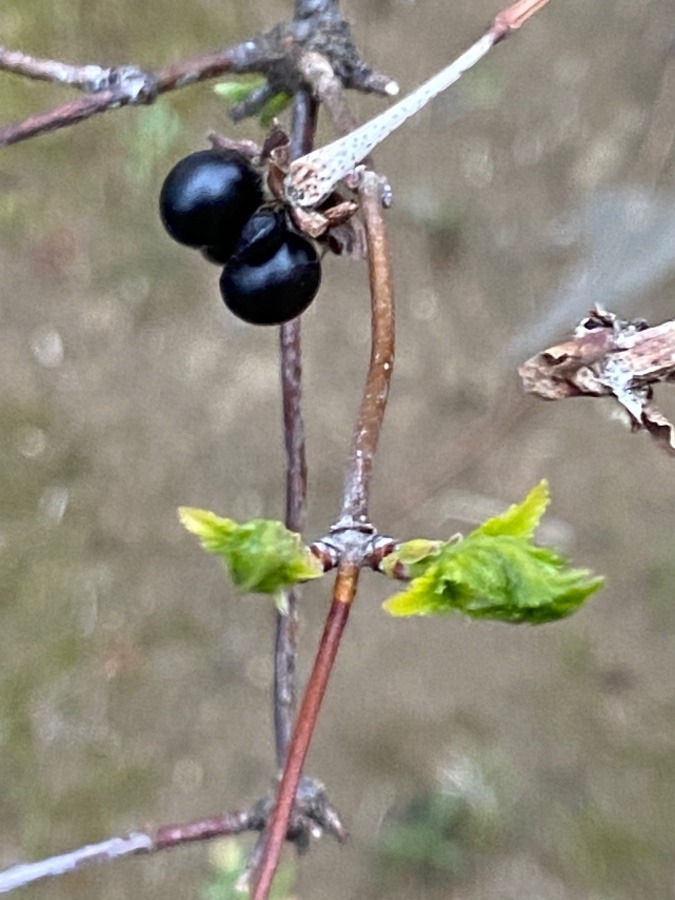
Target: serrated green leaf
(237, 91)
(520, 519)
(212, 530)
(498, 573)
(262, 555)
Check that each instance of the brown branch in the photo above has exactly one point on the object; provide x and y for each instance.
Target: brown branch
(146, 87)
(369, 423)
(169, 836)
(319, 29)
(240, 59)
(317, 71)
(343, 593)
(59, 117)
(89, 77)
(303, 126)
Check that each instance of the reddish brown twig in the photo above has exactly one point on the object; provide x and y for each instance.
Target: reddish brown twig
(144, 89)
(355, 533)
(366, 436)
(343, 594)
(303, 127)
(514, 16)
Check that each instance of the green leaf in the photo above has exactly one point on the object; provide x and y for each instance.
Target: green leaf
(496, 572)
(520, 519)
(262, 555)
(273, 108)
(237, 91)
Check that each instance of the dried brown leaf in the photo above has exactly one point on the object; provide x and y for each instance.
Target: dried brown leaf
(610, 357)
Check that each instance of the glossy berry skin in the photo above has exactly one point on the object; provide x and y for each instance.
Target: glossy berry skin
(207, 198)
(274, 273)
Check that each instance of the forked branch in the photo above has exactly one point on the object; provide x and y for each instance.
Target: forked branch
(318, 28)
(353, 526)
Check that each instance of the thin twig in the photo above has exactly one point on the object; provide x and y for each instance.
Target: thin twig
(366, 435)
(343, 593)
(317, 71)
(303, 126)
(354, 514)
(241, 58)
(69, 113)
(88, 78)
(516, 15)
(285, 682)
(165, 838)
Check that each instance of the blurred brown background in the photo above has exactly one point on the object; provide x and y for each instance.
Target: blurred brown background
(134, 686)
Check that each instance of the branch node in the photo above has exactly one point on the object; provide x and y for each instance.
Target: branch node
(327, 552)
(379, 547)
(137, 85)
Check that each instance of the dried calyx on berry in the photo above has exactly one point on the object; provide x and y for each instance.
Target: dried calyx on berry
(274, 273)
(207, 198)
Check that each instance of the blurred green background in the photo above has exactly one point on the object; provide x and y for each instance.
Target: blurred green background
(469, 761)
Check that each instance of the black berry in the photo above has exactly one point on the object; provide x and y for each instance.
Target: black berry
(274, 273)
(207, 198)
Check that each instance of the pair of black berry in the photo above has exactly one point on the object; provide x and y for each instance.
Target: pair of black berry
(211, 200)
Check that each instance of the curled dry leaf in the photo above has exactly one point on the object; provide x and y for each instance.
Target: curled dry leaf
(608, 356)
(333, 225)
